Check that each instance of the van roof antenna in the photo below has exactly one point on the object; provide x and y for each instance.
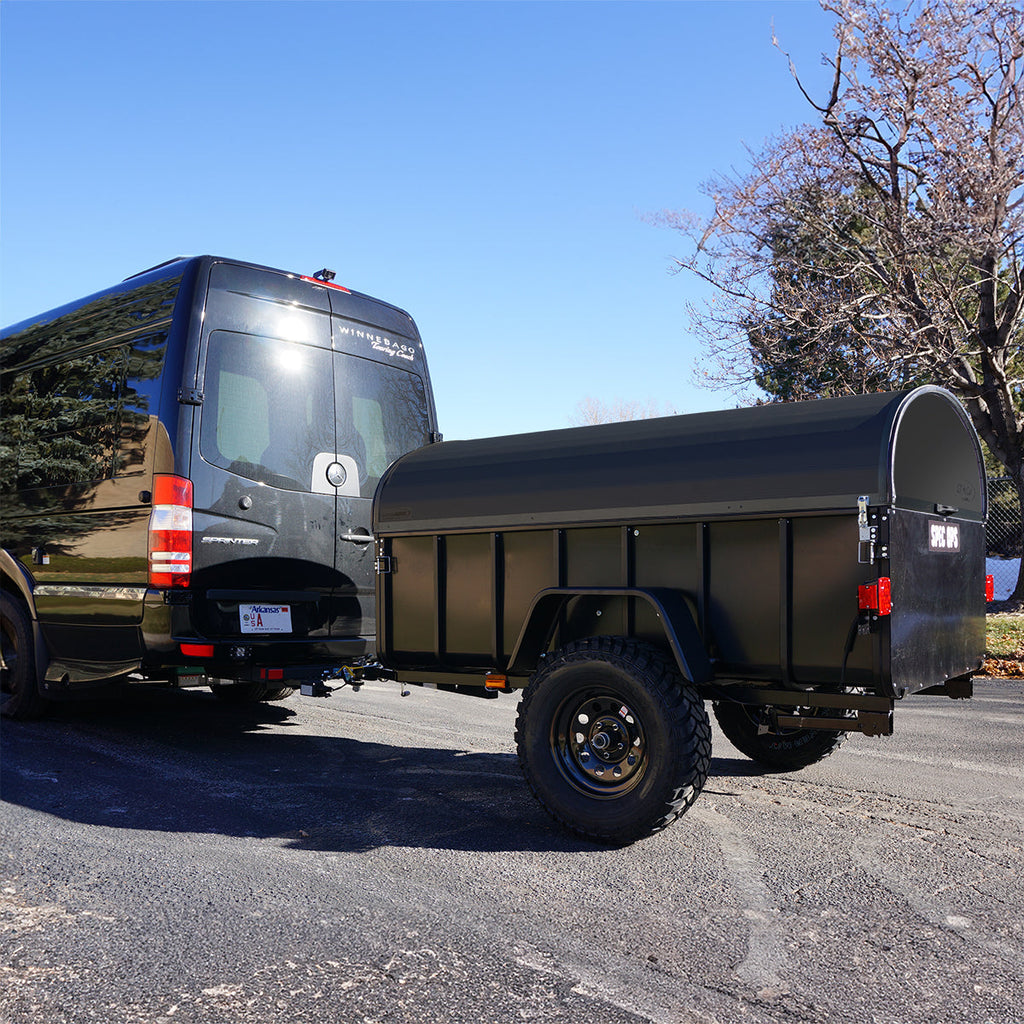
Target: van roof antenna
(324, 275)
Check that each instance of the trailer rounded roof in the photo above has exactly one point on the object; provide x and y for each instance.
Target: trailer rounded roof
(914, 449)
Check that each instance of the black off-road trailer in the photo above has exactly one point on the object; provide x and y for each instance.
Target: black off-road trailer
(803, 567)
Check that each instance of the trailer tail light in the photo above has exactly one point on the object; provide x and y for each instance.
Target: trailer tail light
(876, 596)
(990, 588)
(170, 532)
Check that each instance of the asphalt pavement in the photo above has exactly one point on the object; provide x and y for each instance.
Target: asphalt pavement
(374, 858)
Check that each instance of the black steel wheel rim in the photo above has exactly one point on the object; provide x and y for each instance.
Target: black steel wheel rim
(599, 744)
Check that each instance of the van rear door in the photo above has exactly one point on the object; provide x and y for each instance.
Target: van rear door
(264, 533)
(383, 411)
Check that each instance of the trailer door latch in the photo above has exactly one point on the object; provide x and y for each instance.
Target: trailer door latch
(866, 533)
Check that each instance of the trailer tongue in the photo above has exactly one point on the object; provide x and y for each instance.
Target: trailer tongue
(802, 566)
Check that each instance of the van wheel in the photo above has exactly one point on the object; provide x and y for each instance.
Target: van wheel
(19, 691)
(612, 741)
(247, 693)
(781, 750)
(278, 692)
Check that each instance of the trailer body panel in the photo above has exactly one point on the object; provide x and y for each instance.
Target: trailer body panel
(765, 522)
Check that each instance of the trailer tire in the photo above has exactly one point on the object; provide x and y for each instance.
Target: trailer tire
(612, 741)
(19, 689)
(786, 750)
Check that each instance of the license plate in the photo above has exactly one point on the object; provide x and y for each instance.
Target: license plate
(265, 618)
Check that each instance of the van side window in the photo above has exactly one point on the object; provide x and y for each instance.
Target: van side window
(96, 410)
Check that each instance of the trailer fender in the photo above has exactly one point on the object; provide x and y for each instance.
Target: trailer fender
(681, 634)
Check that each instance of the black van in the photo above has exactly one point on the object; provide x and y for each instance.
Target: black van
(188, 465)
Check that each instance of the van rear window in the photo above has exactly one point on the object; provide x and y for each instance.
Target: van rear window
(271, 407)
(382, 414)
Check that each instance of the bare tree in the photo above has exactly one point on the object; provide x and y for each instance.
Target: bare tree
(591, 411)
(882, 245)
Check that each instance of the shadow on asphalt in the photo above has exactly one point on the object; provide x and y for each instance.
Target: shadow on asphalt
(185, 762)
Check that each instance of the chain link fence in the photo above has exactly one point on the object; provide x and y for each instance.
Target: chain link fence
(1003, 535)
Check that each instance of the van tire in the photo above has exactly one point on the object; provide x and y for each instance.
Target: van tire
(785, 750)
(278, 692)
(19, 689)
(248, 693)
(612, 741)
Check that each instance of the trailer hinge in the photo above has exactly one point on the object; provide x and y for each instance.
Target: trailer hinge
(190, 396)
(383, 565)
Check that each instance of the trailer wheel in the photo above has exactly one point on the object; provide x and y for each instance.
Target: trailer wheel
(783, 750)
(19, 692)
(612, 741)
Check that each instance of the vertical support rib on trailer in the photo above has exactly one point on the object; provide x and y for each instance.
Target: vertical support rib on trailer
(497, 597)
(440, 598)
(703, 578)
(629, 575)
(786, 600)
(561, 574)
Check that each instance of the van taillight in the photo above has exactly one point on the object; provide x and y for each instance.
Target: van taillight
(170, 532)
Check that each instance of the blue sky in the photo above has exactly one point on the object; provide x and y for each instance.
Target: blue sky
(488, 166)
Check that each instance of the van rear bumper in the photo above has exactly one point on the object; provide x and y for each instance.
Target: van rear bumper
(245, 660)
(170, 643)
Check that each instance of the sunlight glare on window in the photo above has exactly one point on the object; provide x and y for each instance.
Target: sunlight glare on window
(290, 359)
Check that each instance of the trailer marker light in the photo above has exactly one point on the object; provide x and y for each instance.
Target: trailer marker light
(990, 588)
(197, 650)
(493, 681)
(271, 673)
(876, 596)
(170, 532)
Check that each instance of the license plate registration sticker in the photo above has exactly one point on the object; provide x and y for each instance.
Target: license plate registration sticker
(265, 618)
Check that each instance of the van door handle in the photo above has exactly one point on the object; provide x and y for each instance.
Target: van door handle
(356, 538)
